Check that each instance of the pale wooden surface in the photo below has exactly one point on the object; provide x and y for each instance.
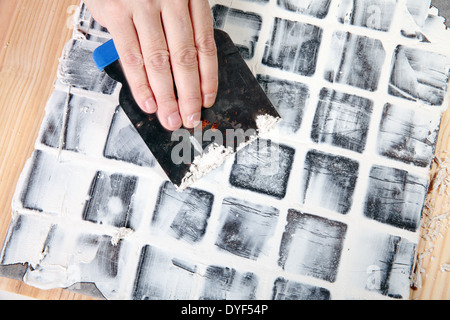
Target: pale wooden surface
(32, 35)
(434, 246)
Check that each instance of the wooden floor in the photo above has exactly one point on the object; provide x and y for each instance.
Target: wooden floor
(32, 36)
(435, 243)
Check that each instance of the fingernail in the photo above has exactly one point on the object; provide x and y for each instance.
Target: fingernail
(209, 99)
(194, 119)
(150, 105)
(174, 120)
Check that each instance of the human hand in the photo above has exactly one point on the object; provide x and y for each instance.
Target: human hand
(162, 43)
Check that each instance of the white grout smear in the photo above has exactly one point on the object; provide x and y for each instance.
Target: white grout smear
(215, 155)
(212, 158)
(266, 123)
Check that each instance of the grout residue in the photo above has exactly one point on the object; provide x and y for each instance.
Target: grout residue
(215, 155)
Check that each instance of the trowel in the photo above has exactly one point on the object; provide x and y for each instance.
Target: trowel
(235, 120)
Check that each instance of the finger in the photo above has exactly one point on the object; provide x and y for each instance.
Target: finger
(157, 65)
(183, 54)
(202, 23)
(128, 48)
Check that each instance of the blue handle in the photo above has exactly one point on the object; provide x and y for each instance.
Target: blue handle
(105, 55)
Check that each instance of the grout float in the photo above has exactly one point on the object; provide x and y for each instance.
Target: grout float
(217, 154)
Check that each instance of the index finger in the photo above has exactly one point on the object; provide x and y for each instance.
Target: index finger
(128, 47)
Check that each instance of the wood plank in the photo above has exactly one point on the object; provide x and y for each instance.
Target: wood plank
(36, 37)
(434, 247)
(7, 15)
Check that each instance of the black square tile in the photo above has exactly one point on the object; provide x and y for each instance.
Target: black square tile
(223, 283)
(293, 47)
(72, 122)
(381, 263)
(395, 197)
(85, 75)
(342, 120)
(329, 181)
(55, 186)
(84, 119)
(263, 166)
(408, 135)
(184, 215)
(355, 60)
(289, 98)
(111, 199)
(125, 144)
(25, 231)
(419, 75)
(284, 289)
(418, 12)
(312, 245)
(161, 276)
(248, 23)
(245, 227)
(373, 14)
(53, 121)
(315, 8)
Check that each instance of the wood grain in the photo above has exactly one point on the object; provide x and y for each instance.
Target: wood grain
(7, 16)
(434, 248)
(35, 38)
(32, 36)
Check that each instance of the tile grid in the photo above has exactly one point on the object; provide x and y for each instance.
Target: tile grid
(317, 82)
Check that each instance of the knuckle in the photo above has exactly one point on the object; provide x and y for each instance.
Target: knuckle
(186, 58)
(180, 3)
(191, 100)
(145, 5)
(157, 60)
(141, 87)
(132, 59)
(206, 44)
(166, 100)
(115, 9)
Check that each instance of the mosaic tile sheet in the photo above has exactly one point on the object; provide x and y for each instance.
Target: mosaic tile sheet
(327, 206)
